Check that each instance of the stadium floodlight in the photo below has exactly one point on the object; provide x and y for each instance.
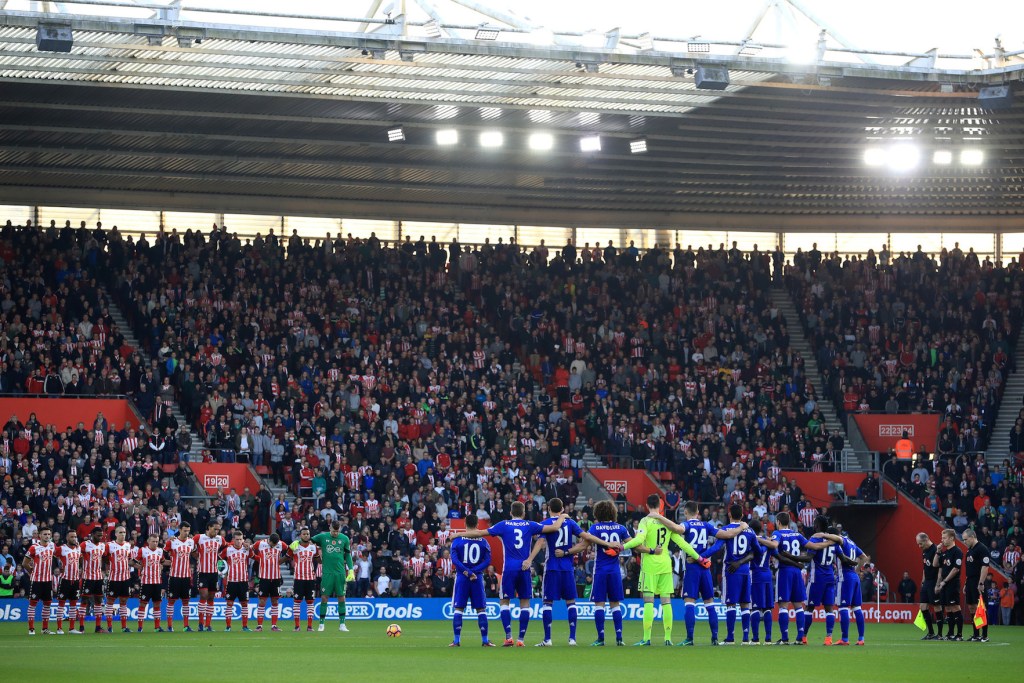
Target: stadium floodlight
(396, 135)
(541, 142)
(485, 32)
(645, 42)
(875, 156)
(638, 146)
(972, 157)
(903, 157)
(698, 47)
(492, 138)
(447, 136)
(433, 29)
(591, 143)
(942, 157)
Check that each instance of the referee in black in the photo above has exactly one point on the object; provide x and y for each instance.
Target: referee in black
(950, 561)
(928, 597)
(976, 573)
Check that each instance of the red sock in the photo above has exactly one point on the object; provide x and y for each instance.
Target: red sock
(309, 614)
(32, 604)
(170, 614)
(227, 613)
(81, 614)
(245, 615)
(156, 616)
(46, 615)
(60, 616)
(142, 613)
(97, 611)
(108, 611)
(259, 614)
(295, 608)
(184, 612)
(273, 613)
(209, 612)
(124, 616)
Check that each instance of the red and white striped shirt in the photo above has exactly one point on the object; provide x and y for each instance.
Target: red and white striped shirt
(42, 561)
(71, 562)
(237, 560)
(269, 558)
(372, 508)
(302, 561)
(92, 560)
(180, 551)
(353, 480)
(444, 536)
(445, 567)
(119, 555)
(208, 549)
(807, 515)
(151, 561)
(417, 565)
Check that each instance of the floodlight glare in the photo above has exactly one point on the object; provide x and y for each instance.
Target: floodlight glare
(396, 135)
(638, 146)
(448, 136)
(541, 141)
(942, 157)
(590, 144)
(972, 157)
(874, 156)
(492, 138)
(903, 157)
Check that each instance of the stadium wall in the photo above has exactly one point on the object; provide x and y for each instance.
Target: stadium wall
(68, 412)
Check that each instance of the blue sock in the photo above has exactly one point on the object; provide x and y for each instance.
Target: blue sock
(690, 617)
(745, 624)
(457, 626)
(730, 623)
(545, 613)
(804, 627)
(830, 623)
(801, 625)
(599, 622)
(712, 621)
(784, 623)
(524, 622)
(506, 622)
(766, 617)
(481, 620)
(617, 620)
(844, 622)
(572, 621)
(755, 624)
(860, 622)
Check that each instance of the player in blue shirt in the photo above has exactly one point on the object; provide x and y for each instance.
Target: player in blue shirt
(790, 590)
(559, 577)
(761, 587)
(516, 536)
(852, 560)
(822, 589)
(470, 557)
(697, 581)
(738, 553)
(607, 570)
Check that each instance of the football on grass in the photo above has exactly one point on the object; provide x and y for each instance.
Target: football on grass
(394, 630)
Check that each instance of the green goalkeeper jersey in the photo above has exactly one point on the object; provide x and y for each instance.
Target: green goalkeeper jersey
(336, 552)
(652, 534)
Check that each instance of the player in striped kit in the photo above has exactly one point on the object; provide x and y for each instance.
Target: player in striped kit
(93, 553)
(208, 547)
(268, 554)
(39, 561)
(179, 586)
(236, 556)
(119, 557)
(304, 557)
(149, 560)
(70, 557)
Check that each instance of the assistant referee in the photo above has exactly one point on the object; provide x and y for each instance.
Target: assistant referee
(950, 560)
(975, 573)
(928, 597)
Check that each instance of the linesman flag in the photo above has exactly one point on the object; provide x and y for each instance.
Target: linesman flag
(920, 622)
(980, 616)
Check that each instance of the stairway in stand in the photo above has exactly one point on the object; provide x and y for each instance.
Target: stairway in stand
(1009, 406)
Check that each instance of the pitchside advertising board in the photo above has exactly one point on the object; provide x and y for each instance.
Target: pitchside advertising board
(425, 609)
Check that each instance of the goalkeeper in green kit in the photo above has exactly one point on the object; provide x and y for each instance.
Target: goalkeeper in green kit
(336, 553)
(651, 541)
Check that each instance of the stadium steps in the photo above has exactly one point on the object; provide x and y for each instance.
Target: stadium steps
(1009, 407)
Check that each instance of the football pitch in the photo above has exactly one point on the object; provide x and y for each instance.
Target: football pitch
(893, 653)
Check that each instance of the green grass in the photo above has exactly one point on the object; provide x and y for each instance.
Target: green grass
(894, 653)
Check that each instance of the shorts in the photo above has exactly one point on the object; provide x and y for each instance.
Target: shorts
(949, 595)
(697, 584)
(304, 589)
(67, 590)
(927, 594)
(822, 593)
(737, 588)
(238, 590)
(179, 588)
(849, 591)
(559, 585)
(270, 588)
(789, 586)
(332, 584)
(657, 584)
(151, 592)
(515, 583)
(42, 590)
(207, 581)
(971, 590)
(469, 592)
(119, 589)
(607, 586)
(761, 595)
(92, 587)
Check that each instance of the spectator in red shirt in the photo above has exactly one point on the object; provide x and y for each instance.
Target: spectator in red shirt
(981, 500)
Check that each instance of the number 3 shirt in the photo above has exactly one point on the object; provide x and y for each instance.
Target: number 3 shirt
(516, 538)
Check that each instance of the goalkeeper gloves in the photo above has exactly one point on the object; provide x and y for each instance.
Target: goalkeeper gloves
(351, 576)
(705, 562)
(611, 552)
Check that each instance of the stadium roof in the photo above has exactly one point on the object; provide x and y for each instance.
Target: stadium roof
(164, 107)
